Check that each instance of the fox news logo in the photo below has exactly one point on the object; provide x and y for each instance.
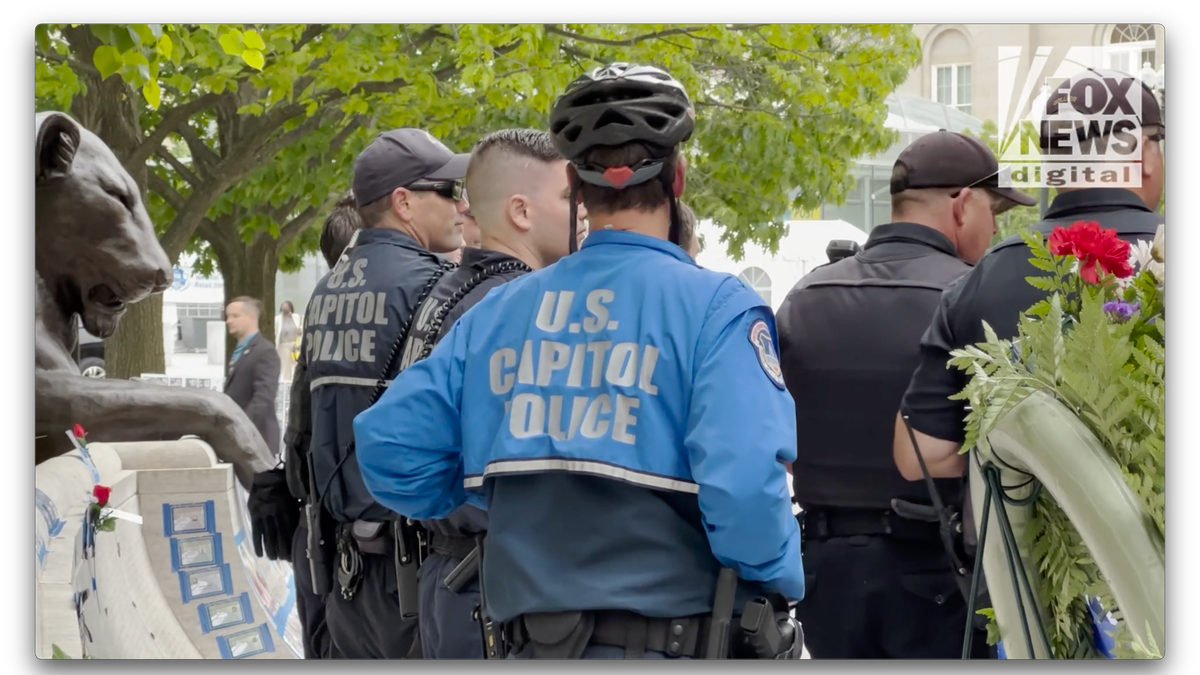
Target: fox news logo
(1084, 130)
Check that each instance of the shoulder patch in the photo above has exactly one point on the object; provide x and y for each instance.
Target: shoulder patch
(764, 349)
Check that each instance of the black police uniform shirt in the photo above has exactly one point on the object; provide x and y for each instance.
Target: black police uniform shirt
(352, 323)
(996, 291)
(848, 342)
(469, 520)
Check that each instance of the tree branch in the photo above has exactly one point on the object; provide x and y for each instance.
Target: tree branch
(182, 170)
(79, 66)
(268, 149)
(628, 42)
(172, 120)
(163, 189)
(203, 156)
(296, 225)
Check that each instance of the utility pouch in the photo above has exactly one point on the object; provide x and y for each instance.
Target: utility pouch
(559, 635)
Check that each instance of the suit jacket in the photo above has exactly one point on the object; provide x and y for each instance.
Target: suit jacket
(253, 382)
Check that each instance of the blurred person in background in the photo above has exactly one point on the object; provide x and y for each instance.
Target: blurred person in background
(287, 338)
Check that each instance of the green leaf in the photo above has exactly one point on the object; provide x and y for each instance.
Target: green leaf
(165, 46)
(41, 35)
(252, 40)
(107, 60)
(231, 42)
(155, 30)
(57, 652)
(253, 58)
(153, 93)
(143, 33)
(123, 39)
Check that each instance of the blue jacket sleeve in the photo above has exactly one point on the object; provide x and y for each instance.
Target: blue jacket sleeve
(410, 442)
(741, 426)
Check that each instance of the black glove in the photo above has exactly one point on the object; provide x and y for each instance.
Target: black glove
(274, 515)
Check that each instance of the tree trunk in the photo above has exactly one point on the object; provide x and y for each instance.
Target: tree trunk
(137, 345)
(109, 110)
(249, 271)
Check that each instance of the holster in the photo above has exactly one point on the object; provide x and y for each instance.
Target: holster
(321, 547)
(409, 550)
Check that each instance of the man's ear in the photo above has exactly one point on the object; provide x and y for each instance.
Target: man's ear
(1148, 167)
(680, 181)
(400, 206)
(516, 208)
(55, 147)
(958, 207)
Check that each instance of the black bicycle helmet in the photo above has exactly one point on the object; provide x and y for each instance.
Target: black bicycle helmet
(616, 105)
(620, 104)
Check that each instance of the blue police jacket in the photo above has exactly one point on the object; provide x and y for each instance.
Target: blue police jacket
(624, 361)
(352, 323)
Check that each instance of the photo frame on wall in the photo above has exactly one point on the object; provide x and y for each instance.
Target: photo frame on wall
(225, 613)
(192, 518)
(197, 551)
(246, 643)
(205, 582)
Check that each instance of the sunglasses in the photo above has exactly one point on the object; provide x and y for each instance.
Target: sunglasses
(448, 189)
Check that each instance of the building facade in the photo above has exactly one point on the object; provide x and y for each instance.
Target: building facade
(960, 65)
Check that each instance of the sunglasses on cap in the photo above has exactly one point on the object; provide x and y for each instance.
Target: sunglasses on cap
(448, 189)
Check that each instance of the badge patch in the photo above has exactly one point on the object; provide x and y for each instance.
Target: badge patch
(764, 348)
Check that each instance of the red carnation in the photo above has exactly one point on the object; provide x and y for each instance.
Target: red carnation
(102, 493)
(1092, 246)
(79, 432)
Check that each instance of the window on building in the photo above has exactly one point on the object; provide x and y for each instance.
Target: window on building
(952, 86)
(1130, 46)
(758, 280)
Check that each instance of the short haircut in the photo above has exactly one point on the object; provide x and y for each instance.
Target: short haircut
(254, 304)
(372, 214)
(907, 199)
(499, 166)
(648, 196)
(339, 226)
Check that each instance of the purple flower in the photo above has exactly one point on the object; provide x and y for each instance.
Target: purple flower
(1120, 311)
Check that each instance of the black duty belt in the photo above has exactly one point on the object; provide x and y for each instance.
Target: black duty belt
(819, 523)
(637, 634)
(450, 546)
(371, 537)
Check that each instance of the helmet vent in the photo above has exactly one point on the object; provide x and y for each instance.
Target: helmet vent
(612, 116)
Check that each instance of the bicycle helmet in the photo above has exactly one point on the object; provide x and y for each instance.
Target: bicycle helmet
(619, 104)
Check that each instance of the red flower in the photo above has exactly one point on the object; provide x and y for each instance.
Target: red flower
(1092, 246)
(79, 432)
(102, 493)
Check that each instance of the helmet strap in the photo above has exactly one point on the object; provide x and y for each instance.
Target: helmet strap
(668, 182)
(574, 223)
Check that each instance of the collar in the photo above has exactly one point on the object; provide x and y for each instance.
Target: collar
(480, 257)
(912, 233)
(623, 238)
(386, 235)
(246, 340)
(1092, 200)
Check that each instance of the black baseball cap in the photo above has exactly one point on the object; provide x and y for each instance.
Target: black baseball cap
(946, 159)
(401, 157)
(1151, 112)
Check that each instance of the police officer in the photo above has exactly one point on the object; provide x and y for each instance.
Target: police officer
(409, 191)
(996, 290)
(598, 410)
(520, 200)
(277, 496)
(879, 583)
